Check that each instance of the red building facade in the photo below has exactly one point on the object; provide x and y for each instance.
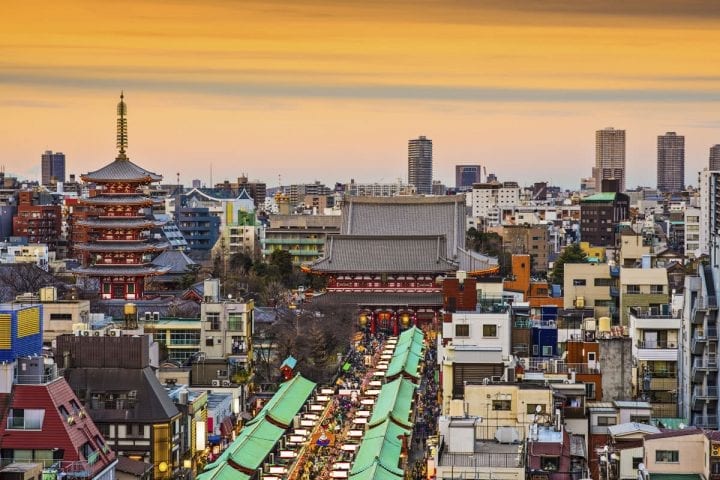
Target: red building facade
(116, 224)
(39, 223)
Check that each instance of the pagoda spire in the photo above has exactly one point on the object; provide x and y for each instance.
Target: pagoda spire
(122, 139)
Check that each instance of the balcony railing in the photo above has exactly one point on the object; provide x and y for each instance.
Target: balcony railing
(706, 421)
(662, 312)
(573, 412)
(656, 345)
(705, 392)
(558, 366)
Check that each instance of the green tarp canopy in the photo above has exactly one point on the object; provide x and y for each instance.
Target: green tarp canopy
(379, 453)
(394, 401)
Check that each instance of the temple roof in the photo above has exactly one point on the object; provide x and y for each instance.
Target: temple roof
(117, 200)
(407, 216)
(97, 270)
(119, 223)
(121, 247)
(385, 254)
(175, 260)
(121, 170)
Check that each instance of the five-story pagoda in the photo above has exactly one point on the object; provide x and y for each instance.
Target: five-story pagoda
(118, 251)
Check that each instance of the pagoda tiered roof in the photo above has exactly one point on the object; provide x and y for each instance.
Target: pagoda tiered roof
(111, 199)
(121, 170)
(121, 247)
(115, 271)
(110, 223)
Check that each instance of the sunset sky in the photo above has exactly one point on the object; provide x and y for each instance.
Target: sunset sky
(332, 90)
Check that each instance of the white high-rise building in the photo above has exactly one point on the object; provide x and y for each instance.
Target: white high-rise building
(609, 157)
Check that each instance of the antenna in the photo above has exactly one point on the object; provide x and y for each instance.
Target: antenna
(122, 136)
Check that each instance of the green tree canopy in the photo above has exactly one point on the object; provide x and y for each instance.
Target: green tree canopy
(570, 254)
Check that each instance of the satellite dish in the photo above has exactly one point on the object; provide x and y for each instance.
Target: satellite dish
(538, 408)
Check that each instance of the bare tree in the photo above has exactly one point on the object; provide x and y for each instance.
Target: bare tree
(18, 278)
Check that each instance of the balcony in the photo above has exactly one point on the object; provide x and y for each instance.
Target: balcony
(706, 421)
(702, 366)
(702, 395)
(558, 367)
(654, 350)
(573, 412)
(699, 340)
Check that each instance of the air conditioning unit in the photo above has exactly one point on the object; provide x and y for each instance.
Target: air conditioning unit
(215, 383)
(148, 316)
(226, 383)
(715, 451)
(156, 316)
(115, 332)
(85, 333)
(97, 333)
(496, 378)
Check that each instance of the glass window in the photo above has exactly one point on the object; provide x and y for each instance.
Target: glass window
(550, 464)
(213, 318)
(667, 456)
(605, 421)
(636, 461)
(489, 330)
(640, 419)
(633, 289)
(462, 330)
(590, 391)
(532, 408)
(502, 405)
(578, 282)
(547, 351)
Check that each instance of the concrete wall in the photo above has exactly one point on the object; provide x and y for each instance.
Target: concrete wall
(616, 367)
(692, 454)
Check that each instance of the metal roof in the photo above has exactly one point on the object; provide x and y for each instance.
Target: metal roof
(632, 427)
(121, 170)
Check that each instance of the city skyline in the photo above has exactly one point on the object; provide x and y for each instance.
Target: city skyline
(291, 91)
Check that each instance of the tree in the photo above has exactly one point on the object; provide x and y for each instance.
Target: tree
(240, 262)
(282, 260)
(570, 254)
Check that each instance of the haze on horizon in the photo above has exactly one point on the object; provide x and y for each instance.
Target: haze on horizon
(333, 90)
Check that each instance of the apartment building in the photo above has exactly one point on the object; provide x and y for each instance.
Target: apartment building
(643, 288)
(489, 198)
(591, 285)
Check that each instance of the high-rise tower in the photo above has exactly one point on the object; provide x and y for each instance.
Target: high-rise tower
(420, 164)
(670, 162)
(715, 157)
(609, 157)
(52, 167)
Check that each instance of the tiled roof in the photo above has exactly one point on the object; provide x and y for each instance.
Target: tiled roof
(120, 271)
(119, 223)
(133, 467)
(121, 170)
(121, 247)
(391, 254)
(117, 200)
(675, 433)
(378, 298)
(407, 216)
(152, 401)
(176, 260)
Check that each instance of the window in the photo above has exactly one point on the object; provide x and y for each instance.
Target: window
(462, 330)
(63, 412)
(501, 405)
(489, 330)
(667, 456)
(606, 421)
(547, 351)
(590, 391)
(633, 289)
(579, 282)
(209, 342)
(657, 289)
(640, 419)
(235, 322)
(536, 350)
(131, 288)
(532, 408)
(603, 282)
(25, 419)
(61, 316)
(550, 464)
(213, 318)
(636, 461)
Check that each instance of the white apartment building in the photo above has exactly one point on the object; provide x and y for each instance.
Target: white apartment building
(488, 199)
(692, 232)
(474, 346)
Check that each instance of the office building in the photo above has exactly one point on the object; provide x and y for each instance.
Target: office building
(670, 162)
(609, 157)
(420, 164)
(466, 175)
(52, 167)
(715, 157)
(599, 216)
